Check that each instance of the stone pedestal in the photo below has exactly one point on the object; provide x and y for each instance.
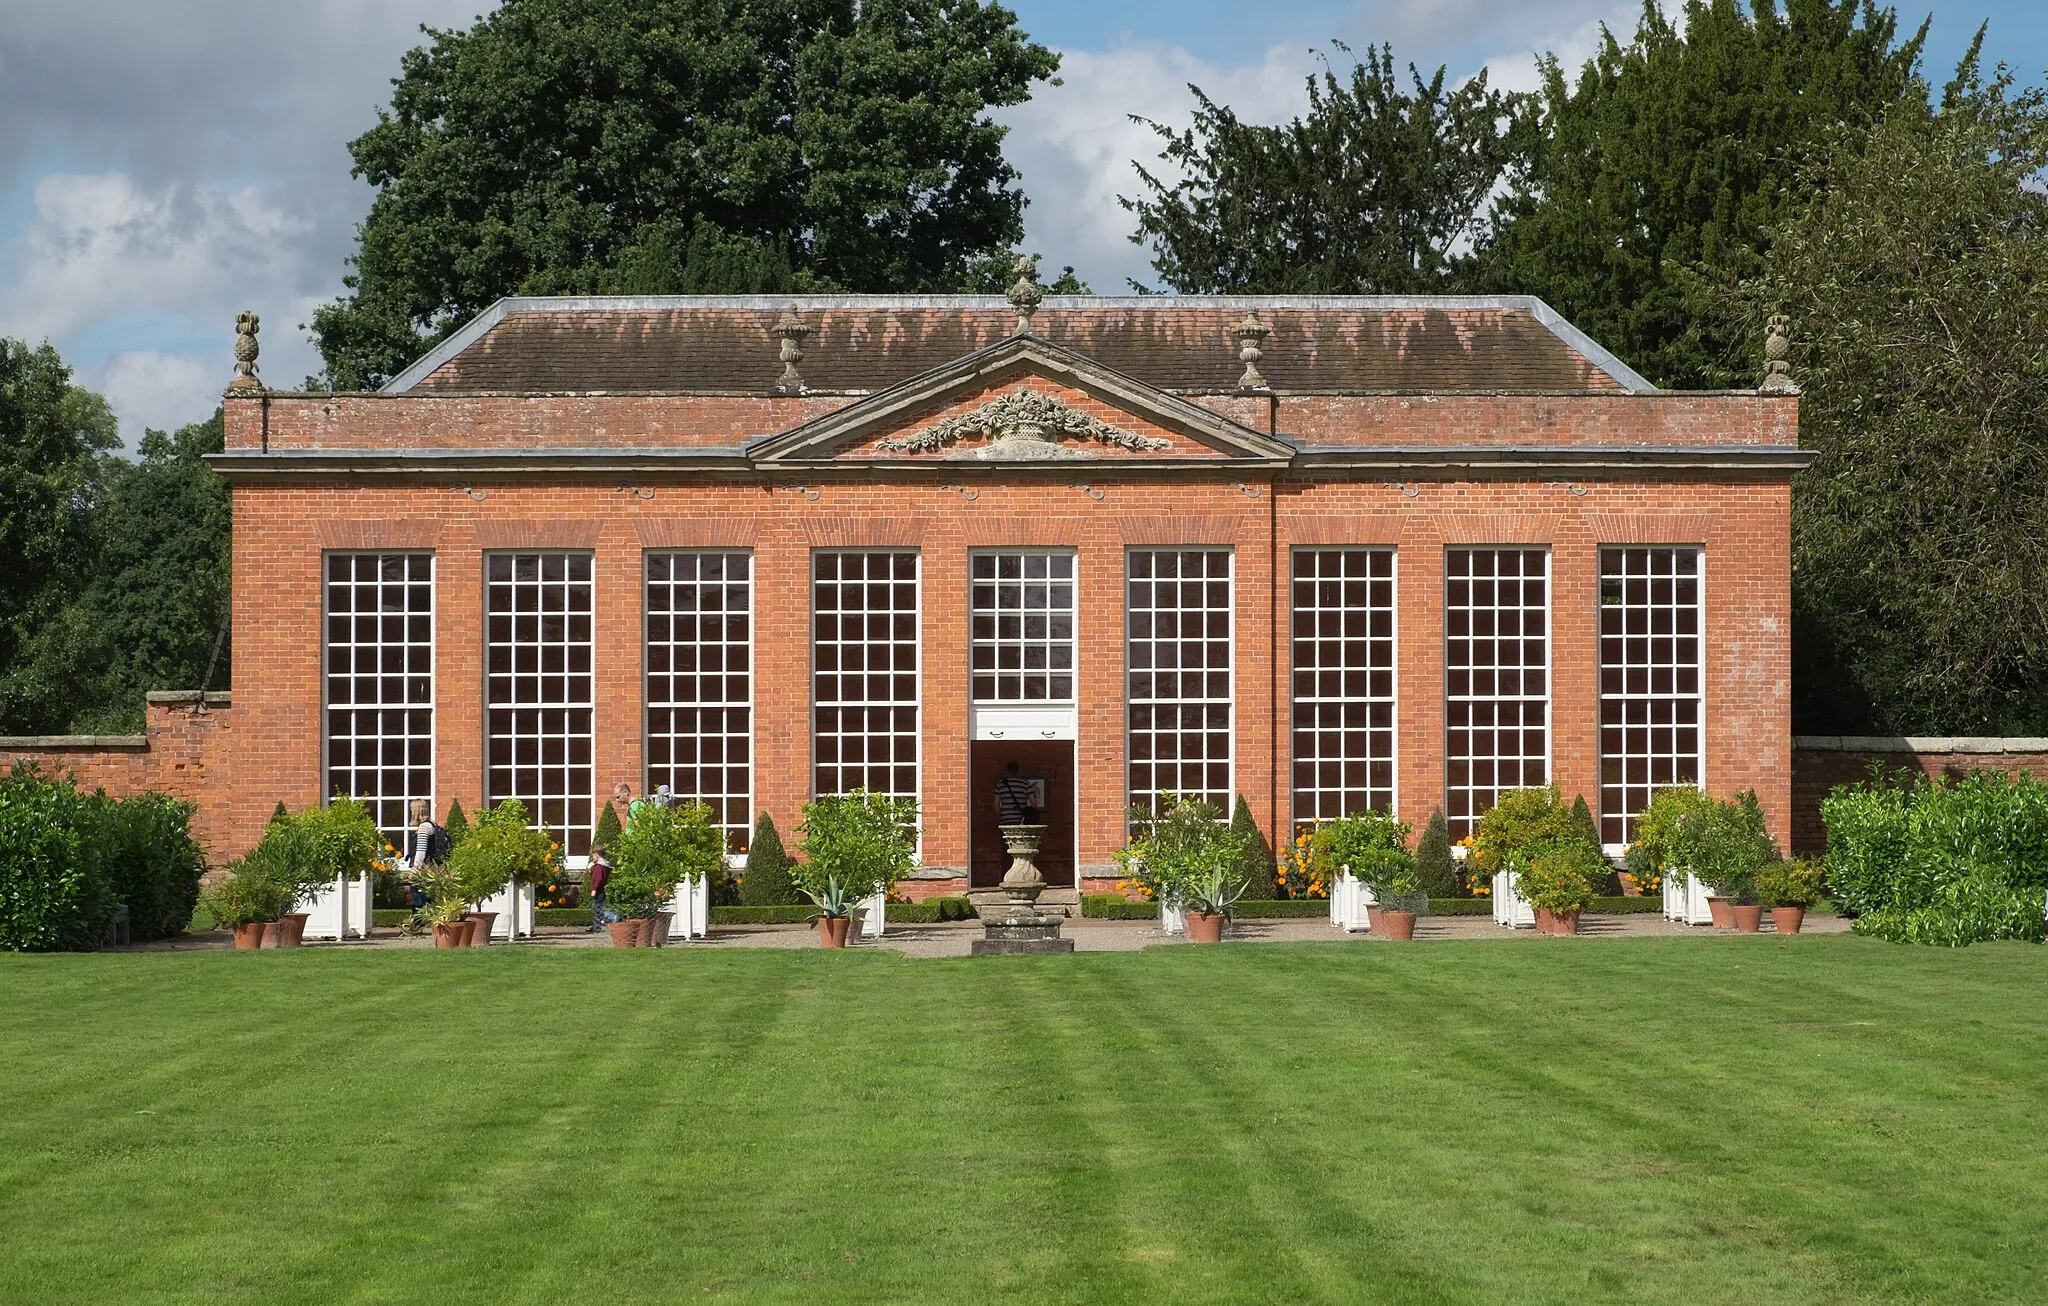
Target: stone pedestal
(1019, 927)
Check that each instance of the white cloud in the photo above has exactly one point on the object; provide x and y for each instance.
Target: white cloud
(1076, 143)
(153, 390)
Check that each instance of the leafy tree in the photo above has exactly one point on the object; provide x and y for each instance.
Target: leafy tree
(52, 438)
(1920, 534)
(767, 882)
(1371, 192)
(597, 146)
(1257, 867)
(1666, 155)
(1433, 860)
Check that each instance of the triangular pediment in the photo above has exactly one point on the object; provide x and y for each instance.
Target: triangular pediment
(1018, 403)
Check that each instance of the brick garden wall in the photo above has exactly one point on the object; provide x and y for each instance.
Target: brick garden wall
(1820, 762)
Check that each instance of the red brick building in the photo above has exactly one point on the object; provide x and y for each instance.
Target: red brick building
(1324, 553)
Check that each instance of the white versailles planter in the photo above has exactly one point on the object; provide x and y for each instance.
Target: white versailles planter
(1510, 908)
(1686, 901)
(514, 905)
(1348, 900)
(690, 910)
(341, 910)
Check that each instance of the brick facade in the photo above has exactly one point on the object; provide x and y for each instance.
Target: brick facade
(462, 474)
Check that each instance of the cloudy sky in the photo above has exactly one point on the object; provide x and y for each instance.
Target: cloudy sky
(166, 163)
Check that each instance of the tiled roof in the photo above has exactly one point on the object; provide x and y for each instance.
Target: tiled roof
(864, 344)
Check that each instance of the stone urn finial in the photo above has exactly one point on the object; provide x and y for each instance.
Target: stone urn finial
(1777, 348)
(793, 331)
(1250, 333)
(1025, 293)
(246, 326)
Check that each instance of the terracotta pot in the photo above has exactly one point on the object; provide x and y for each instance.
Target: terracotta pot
(657, 929)
(1205, 927)
(451, 935)
(1543, 920)
(1724, 917)
(1787, 920)
(293, 933)
(1564, 922)
(625, 934)
(1398, 924)
(273, 934)
(1372, 918)
(250, 935)
(832, 931)
(485, 921)
(1749, 919)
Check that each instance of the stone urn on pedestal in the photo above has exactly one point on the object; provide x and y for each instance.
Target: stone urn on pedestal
(1018, 926)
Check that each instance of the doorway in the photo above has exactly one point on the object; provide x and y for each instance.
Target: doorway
(1048, 761)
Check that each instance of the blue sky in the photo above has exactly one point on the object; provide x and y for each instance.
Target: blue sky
(166, 163)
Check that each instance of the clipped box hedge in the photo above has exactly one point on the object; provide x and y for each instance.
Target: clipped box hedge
(774, 914)
(71, 861)
(932, 911)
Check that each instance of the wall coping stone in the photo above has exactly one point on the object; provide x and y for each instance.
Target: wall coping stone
(1923, 744)
(188, 697)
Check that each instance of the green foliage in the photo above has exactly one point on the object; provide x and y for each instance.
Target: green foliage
(500, 849)
(1727, 845)
(767, 882)
(1256, 870)
(769, 914)
(144, 848)
(457, 824)
(1369, 193)
(1652, 855)
(1114, 907)
(666, 146)
(50, 898)
(1940, 861)
(279, 813)
(1354, 840)
(1791, 882)
(306, 851)
(1564, 877)
(1434, 865)
(1662, 162)
(1188, 857)
(140, 597)
(68, 861)
(250, 891)
(855, 846)
(932, 911)
(662, 847)
(1921, 531)
(1525, 824)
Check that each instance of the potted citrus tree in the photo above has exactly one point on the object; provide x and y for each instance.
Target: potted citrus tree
(1559, 880)
(1658, 850)
(1190, 861)
(1788, 887)
(446, 910)
(1396, 883)
(1364, 845)
(500, 851)
(855, 846)
(662, 847)
(1727, 844)
(247, 900)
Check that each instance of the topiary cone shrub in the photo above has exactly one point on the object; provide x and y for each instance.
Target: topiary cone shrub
(457, 824)
(1433, 861)
(606, 836)
(767, 881)
(1257, 868)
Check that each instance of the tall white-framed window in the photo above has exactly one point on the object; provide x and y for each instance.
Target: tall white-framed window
(700, 683)
(1344, 683)
(379, 659)
(540, 690)
(864, 672)
(1496, 678)
(1179, 651)
(1021, 612)
(1651, 662)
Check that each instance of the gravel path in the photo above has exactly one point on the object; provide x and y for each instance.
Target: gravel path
(952, 939)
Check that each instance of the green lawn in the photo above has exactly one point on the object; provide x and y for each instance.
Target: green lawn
(1652, 1120)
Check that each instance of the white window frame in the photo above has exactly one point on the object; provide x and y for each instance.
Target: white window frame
(917, 676)
(1464, 825)
(574, 860)
(737, 837)
(1628, 817)
(327, 784)
(1392, 699)
(1229, 701)
(1024, 718)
